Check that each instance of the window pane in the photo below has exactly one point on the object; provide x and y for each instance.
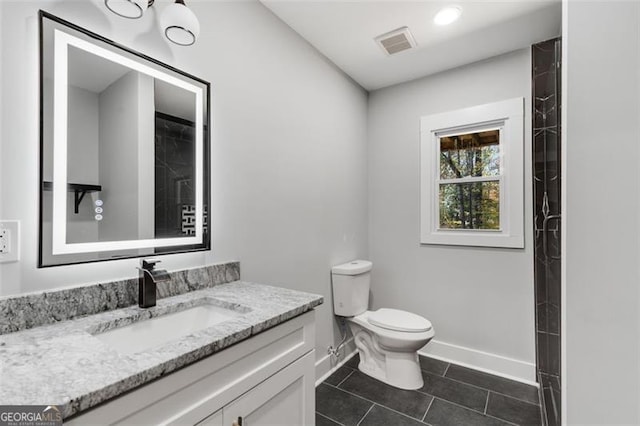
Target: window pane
(470, 154)
(474, 205)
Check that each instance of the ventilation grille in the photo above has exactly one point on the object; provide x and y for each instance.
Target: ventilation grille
(396, 41)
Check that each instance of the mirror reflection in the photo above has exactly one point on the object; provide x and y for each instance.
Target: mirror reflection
(123, 153)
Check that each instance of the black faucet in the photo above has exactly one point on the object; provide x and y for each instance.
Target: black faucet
(147, 280)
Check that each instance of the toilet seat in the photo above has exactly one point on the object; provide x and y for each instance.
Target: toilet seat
(393, 339)
(398, 320)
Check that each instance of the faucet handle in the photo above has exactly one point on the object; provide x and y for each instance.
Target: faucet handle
(149, 263)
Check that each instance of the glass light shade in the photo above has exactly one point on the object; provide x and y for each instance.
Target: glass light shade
(447, 15)
(180, 24)
(131, 9)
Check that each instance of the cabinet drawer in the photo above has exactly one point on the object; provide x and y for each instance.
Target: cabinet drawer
(189, 395)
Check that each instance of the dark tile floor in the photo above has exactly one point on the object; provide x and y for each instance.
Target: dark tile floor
(451, 396)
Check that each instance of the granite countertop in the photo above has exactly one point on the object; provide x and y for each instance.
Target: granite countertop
(63, 364)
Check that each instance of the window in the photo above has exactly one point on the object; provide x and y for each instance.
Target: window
(472, 176)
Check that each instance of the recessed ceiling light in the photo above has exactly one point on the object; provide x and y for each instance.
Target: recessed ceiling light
(447, 15)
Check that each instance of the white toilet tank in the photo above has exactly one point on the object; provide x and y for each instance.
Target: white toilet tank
(351, 282)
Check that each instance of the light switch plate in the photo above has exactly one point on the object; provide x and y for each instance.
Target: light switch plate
(9, 241)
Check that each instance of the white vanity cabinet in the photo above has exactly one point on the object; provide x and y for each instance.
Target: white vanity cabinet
(267, 379)
(281, 400)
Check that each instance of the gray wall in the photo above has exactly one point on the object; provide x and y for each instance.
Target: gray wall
(288, 179)
(601, 212)
(127, 123)
(83, 161)
(478, 298)
(119, 130)
(83, 136)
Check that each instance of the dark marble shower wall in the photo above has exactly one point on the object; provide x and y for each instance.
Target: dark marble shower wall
(174, 171)
(546, 186)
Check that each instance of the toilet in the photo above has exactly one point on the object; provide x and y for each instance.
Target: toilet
(387, 340)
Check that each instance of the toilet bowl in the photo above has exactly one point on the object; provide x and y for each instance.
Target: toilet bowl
(386, 339)
(388, 351)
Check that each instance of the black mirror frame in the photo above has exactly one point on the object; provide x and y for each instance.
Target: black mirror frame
(206, 237)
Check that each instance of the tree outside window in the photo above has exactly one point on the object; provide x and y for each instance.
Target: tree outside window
(469, 184)
(471, 173)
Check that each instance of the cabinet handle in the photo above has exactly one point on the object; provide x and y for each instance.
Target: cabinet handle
(237, 422)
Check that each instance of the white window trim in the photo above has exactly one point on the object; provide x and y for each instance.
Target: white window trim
(506, 115)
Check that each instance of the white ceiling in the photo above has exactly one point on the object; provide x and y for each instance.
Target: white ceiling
(92, 72)
(344, 31)
(174, 100)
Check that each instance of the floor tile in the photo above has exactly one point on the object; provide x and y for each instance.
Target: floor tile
(513, 410)
(454, 391)
(411, 403)
(340, 406)
(443, 413)
(353, 362)
(433, 366)
(380, 416)
(339, 375)
(323, 421)
(508, 387)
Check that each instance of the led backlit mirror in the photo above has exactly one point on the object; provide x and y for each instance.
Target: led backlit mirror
(124, 151)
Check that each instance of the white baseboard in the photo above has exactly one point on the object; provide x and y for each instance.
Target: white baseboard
(498, 365)
(509, 368)
(327, 365)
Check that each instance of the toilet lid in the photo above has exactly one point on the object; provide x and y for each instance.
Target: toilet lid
(395, 319)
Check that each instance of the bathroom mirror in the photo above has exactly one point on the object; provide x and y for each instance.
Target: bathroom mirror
(124, 158)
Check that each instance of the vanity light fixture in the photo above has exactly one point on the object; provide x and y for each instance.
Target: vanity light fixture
(131, 9)
(447, 15)
(180, 24)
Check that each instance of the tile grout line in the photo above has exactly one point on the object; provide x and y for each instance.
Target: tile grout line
(478, 412)
(486, 389)
(512, 397)
(458, 381)
(482, 389)
(473, 370)
(343, 380)
(375, 403)
(365, 414)
(429, 406)
(452, 402)
(434, 397)
(328, 418)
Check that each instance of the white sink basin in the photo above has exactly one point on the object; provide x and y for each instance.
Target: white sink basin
(157, 331)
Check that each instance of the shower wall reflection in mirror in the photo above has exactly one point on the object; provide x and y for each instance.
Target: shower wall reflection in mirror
(124, 159)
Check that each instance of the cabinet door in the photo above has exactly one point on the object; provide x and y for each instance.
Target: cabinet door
(285, 399)
(213, 420)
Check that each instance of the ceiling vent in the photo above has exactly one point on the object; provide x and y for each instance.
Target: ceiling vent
(396, 41)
